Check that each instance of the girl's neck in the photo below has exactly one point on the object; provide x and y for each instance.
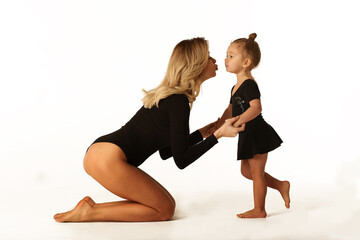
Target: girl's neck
(242, 76)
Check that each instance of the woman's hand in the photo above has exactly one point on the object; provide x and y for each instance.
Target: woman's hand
(209, 129)
(228, 129)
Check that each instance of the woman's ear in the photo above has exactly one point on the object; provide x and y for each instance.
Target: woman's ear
(247, 62)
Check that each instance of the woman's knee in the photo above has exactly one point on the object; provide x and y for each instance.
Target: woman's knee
(167, 211)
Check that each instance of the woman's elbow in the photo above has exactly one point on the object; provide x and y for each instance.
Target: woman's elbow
(163, 156)
(181, 166)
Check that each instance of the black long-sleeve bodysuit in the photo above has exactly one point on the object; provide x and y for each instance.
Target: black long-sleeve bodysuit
(164, 128)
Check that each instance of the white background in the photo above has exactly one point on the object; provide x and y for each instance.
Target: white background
(72, 71)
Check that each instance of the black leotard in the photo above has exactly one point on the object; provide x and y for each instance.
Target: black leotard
(164, 128)
(258, 137)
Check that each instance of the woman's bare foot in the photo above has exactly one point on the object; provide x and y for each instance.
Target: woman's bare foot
(78, 214)
(254, 213)
(285, 192)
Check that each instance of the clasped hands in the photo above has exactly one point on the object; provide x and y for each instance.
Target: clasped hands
(228, 129)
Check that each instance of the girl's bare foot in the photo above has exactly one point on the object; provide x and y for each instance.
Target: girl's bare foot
(78, 214)
(254, 213)
(285, 193)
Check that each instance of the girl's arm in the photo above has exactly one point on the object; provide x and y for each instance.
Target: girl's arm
(252, 112)
(211, 128)
(226, 115)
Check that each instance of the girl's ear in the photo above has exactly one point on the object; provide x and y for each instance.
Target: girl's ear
(247, 62)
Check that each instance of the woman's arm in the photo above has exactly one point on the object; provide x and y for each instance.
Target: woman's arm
(252, 112)
(201, 133)
(178, 112)
(194, 138)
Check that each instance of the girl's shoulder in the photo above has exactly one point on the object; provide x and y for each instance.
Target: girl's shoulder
(249, 81)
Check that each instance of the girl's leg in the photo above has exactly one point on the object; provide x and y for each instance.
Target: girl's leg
(257, 169)
(146, 200)
(282, 186)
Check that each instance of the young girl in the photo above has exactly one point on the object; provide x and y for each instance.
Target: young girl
(259, 138)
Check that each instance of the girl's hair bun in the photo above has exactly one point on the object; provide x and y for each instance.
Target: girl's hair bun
(252, 36)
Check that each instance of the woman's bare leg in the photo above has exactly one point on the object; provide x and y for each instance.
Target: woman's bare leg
(147, 200)
(257, 169)
(282, 186)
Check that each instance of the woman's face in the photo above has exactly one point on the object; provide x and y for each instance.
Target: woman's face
(209, 70)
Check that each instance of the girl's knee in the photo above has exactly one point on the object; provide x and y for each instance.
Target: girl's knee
(245, 172)
(258, 174)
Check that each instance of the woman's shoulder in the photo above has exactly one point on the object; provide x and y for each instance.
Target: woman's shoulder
(176, 100)
(178, 97)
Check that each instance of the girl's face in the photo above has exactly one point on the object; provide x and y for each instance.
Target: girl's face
(235, 62)
(209, 70)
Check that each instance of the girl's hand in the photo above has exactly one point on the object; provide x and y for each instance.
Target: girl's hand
(209, 129)
(228, 129)
(242, 127)
(238, 124)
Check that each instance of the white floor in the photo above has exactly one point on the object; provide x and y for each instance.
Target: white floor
(202, 213)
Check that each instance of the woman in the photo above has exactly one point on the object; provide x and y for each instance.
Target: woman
(161, 124)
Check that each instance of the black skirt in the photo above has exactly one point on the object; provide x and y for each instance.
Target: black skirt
(257, 138)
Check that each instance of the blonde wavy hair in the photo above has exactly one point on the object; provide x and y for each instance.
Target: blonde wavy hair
(186, 63)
